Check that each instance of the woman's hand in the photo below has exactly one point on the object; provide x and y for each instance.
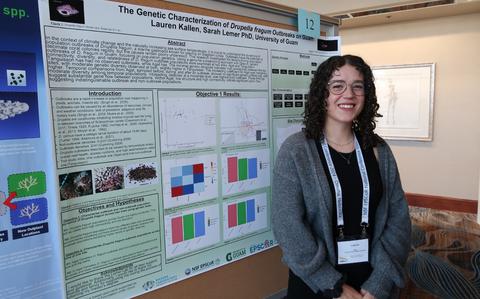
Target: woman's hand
(349, 293)
(366, 294)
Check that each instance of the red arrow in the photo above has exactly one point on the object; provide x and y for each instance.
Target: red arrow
(8, 203)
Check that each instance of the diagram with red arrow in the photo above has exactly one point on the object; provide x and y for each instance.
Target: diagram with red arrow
(8, 201)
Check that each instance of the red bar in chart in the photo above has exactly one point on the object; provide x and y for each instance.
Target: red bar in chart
(177, 230)
(232, 215)
(232, 169)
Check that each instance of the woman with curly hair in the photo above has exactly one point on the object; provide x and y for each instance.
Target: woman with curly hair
(338, 208)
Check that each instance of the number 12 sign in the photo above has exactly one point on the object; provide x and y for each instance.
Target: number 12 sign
(308, 23)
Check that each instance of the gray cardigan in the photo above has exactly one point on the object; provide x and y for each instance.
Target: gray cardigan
(302, 219)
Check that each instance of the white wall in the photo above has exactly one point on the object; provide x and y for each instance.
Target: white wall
(449, 165)
(334, 6)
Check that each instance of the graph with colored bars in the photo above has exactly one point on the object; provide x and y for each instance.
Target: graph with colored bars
(187, 227)
(191, 230)
(189, 180)
(244, 216)
(241, 213)
(241, 169)
(245, 171)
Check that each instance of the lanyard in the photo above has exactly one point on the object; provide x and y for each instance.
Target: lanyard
(338, 188)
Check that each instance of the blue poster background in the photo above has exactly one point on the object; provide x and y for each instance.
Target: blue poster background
(30, 263)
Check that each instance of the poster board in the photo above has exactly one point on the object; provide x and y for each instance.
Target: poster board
(162, 140)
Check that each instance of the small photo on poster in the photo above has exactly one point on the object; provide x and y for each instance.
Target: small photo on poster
(141, 174)
(75, 184)
(108, 179)
(19, 115)
(70, 11)
(18, 72)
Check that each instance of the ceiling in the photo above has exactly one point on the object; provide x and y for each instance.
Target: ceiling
(359, 13)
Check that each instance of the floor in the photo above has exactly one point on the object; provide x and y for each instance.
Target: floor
(452, 238)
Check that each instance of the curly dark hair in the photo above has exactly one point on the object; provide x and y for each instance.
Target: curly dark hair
(316, 105)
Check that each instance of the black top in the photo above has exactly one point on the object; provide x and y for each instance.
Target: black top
(351, 183)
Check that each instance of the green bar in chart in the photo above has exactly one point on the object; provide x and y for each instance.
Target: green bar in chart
(242, 169)
(188, 230)
(242, 213)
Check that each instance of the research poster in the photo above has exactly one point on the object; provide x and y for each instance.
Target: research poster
(30, 251)
(151, 142)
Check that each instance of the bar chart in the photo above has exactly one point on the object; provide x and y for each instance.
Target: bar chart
(244, 171)
(244, 216)
(241, 169)
(188, 226)
(191, 230)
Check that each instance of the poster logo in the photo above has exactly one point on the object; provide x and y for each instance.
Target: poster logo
(236, 254)
(201, 267)
(148, 285)
(261, 246)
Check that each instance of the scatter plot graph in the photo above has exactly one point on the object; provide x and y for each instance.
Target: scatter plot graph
(187, 123)
(243, 120)
(244, 171)
(189, 180)
(191, 230)
(244, 216)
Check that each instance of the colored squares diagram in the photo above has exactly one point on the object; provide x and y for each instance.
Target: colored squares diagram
(188, 227)
(244, 216)
(187, 179)
(241, 169)
(245, 171)
(191, 230)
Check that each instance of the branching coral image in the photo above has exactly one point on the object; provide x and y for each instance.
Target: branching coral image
(29, 211)
(27, 183)
(108, 179)
(9, 109)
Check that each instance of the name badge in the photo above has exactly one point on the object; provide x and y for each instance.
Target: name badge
(354, 251)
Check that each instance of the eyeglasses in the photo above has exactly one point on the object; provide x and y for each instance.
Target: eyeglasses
(339, 87)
